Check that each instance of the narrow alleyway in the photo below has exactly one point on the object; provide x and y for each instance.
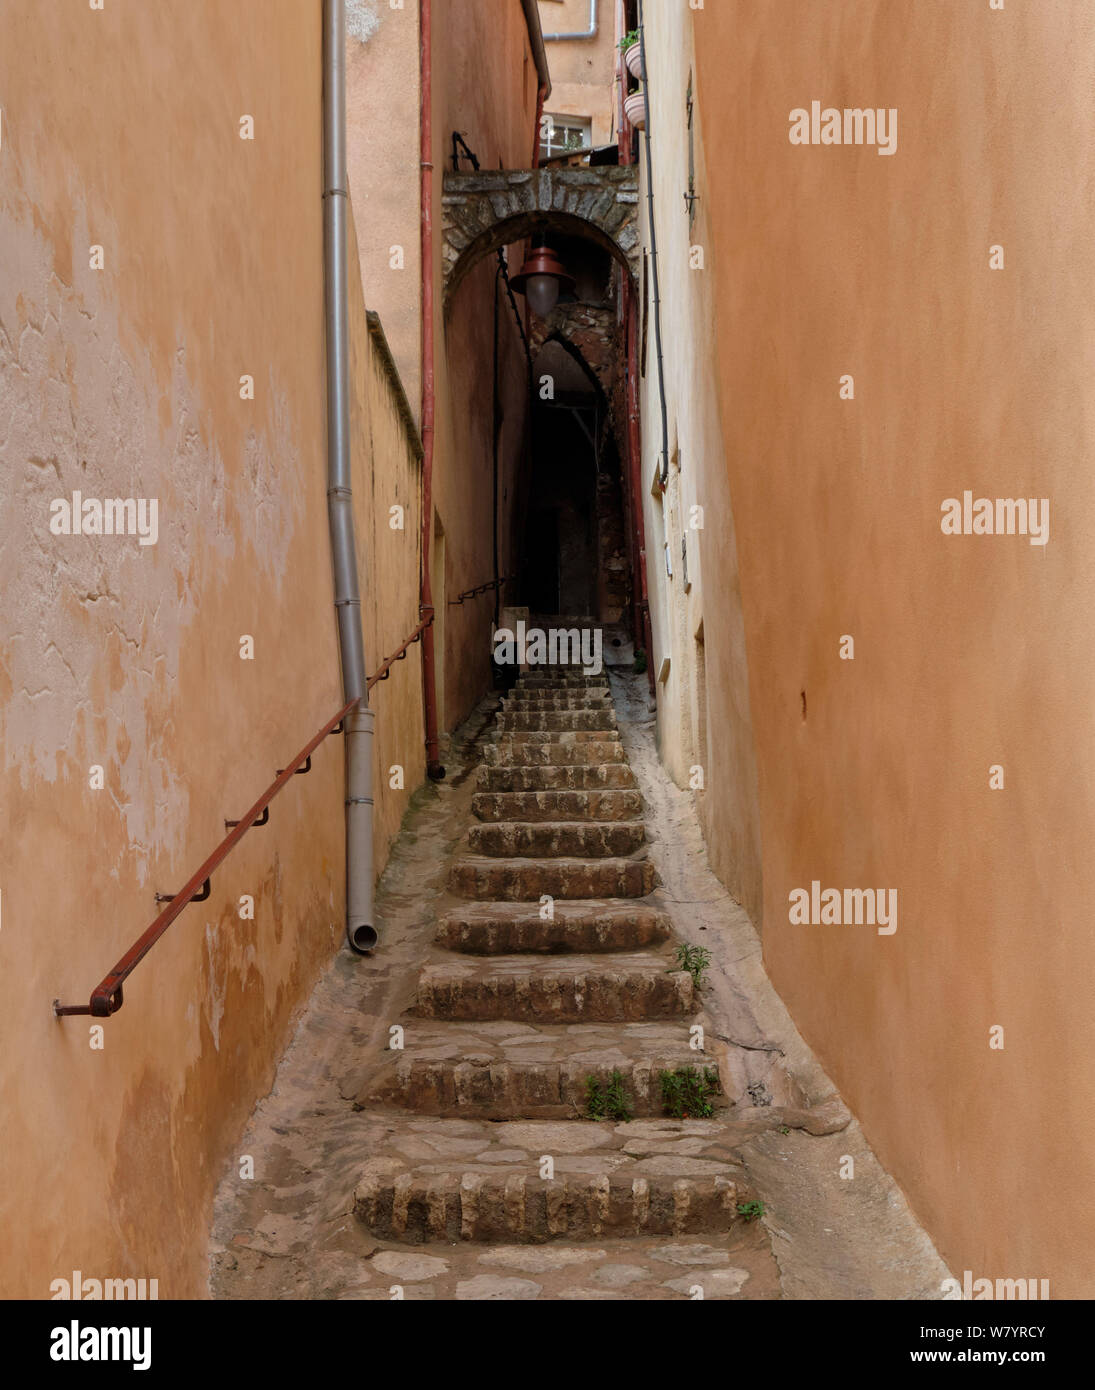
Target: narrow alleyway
(535, 1088)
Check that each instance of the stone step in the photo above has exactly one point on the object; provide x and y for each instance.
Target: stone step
(557, 839)
(558, 704)
(557, 806)
(527, 880)
(564, 687)
(575, 777)
(505, 1070)
(736, 1266)
(544, 695)
(559, 676)
(635, 1181)
(492, 929)
(524, 752)
(556, 721)
(575, 989)
(565, 738)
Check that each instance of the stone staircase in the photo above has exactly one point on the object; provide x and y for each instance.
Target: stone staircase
(553, 974)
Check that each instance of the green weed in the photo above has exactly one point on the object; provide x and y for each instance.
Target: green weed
(607, 1102)
(694, 959)
(686, 1092)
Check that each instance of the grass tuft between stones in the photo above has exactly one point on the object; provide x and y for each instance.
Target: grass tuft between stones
(686, 1092)
(607, 1102)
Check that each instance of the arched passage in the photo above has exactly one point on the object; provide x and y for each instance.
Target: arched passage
(484, 211)
(564, 521)
(574, 553)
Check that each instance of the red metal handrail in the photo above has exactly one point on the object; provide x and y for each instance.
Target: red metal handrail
(106, 998)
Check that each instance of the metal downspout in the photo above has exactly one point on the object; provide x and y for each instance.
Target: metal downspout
(434, 770)
(360, 931)
(653, 232)
(590, 33)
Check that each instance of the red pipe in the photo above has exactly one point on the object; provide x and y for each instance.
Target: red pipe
(635, 470)
(623, 127)
(434, 770)
(541, 96)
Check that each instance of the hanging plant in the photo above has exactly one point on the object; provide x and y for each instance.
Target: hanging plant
(635, 109)
(632, 48)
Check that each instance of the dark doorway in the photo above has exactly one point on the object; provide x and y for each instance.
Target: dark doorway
(542, 561)
(573, 520)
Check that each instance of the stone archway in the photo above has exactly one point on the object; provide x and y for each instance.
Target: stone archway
(485, 210)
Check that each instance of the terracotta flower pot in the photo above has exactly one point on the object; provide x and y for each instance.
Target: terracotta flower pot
(635, 109)
(633, 57)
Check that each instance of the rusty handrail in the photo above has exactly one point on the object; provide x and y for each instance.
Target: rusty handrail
(480, 589)
(106, 999)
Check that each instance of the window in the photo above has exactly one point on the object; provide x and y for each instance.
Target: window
(565, 135)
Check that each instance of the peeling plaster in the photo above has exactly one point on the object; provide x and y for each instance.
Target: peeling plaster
(362, 20)
(93, 632)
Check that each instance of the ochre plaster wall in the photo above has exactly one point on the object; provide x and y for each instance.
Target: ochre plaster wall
(970, 651)
(704, 719)
(583, 71)
(485, 86)
(121, 129)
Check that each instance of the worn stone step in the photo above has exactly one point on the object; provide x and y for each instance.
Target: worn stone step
(559, 687)
(596, 805)
(566, 738)
(735, 1266)
(544, 694)
(491, 929)
(532, 705)
(587, 690)
(566, 678)
(527, 880)
(574, 776)
(557, 839)
(537, 1073)
(556, 721)
(644, 1178)
(571, 989)
(532, 751)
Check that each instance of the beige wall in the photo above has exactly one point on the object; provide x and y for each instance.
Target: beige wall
(387, 463)
(485, 85)
(582, 70)
(125, 382)
(382, 153)
(703, 717)
(969, 651)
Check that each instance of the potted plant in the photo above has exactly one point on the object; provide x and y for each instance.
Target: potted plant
(635, 108)
(632, 49)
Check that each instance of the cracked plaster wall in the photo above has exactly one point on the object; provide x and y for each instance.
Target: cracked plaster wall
(125, 383)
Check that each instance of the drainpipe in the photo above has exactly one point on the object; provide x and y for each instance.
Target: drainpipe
(635, 461)
(539, 54)
(360, 931)
(541, 95)
(653, 233)
(590, 33)
(434, 769)
(623, 128)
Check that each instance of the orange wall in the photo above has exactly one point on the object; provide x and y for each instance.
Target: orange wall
(121, 128)
(969, 651)
(583, 71)
(382, 155)
(703, 713)
(485, 86)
